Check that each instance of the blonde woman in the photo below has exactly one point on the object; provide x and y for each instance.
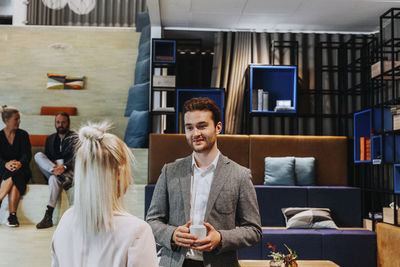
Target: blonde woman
(15, 155)
(97, 231)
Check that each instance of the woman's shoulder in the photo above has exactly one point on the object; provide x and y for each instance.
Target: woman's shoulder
(127, 219)
(22, 132)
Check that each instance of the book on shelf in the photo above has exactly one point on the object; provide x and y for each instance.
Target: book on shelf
(265, 101)
(164, 109)
(260, 99)
(157, 71)
(367, 148)
(362, 148)
(156, 99)
(388, 215)
(396, 122)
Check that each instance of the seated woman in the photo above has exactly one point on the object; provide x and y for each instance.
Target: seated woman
(97, 231)
(15, 155)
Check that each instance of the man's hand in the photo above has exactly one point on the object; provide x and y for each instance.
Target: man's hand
(210, 242)
(182, 236)
(58, 169)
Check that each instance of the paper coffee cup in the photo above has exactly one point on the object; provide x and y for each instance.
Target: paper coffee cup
(60, 162)
(198, 230)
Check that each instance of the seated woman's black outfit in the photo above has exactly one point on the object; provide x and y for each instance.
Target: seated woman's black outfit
(20, 150)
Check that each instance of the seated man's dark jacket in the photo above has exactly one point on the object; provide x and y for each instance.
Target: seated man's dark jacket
(52, 149)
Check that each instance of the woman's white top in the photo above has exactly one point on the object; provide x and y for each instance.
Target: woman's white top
(131, 243)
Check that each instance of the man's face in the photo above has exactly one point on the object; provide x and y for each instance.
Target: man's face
(201, 133)
(62, 125)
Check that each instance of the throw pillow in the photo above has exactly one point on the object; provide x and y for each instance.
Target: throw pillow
(279, 171)
(138, 98)
(136, 134)
(305, 171)
(317, 218)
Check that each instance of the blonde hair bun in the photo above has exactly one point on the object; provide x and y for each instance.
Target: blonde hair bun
(94, 131)
(2, 108)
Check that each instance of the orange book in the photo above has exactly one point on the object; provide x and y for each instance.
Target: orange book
(367, 148)
(362, 148)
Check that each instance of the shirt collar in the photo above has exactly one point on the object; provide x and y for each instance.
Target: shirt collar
(212, 165)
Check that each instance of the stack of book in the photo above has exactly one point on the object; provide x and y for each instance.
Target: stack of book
(396, 117)
(162, 79)
(260, 100)
(365, 148)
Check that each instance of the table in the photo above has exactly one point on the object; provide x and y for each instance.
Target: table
(301, 263)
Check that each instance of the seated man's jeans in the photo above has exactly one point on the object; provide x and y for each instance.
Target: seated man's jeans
(55, 182)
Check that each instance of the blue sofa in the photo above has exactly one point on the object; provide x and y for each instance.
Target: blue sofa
(347, 246)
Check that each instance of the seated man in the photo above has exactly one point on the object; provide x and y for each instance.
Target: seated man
(57, 164)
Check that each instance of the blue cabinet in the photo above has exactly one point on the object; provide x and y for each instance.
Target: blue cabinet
(278, 82)
(363, 128)
(164, 51)
(182, 95)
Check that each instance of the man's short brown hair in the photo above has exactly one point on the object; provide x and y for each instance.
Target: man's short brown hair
(203, 103)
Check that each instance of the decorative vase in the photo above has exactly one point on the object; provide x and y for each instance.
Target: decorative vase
(275, 263)
(291, 263)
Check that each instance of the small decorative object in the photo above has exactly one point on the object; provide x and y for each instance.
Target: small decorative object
(61, 81)
(278, 258)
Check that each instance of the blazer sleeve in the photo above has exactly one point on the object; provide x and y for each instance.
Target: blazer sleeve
(248, 231)
(158, 213)
(143, 250)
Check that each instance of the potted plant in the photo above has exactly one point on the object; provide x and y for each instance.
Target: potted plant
(279, 258)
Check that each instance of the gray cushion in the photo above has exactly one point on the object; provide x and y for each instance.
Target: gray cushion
(142, 20)
(279, 171)
(136, 134)
(142, 71)
(305, 171)
(308, 218)
(145, 35)
(144, 51)
(138, 98)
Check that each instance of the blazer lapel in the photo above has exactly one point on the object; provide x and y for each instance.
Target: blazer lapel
(184, 179)
(217, 183)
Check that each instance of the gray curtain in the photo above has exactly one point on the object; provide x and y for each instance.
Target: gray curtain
(234, 51)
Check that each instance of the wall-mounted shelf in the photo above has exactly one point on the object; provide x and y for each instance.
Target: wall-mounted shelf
(164, 51)
(396, 176)
(364, 126)
(277, 82)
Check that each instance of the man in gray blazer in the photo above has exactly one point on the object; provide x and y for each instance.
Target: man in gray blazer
(205, 188)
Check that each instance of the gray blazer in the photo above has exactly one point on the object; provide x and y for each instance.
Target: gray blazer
(232, 209)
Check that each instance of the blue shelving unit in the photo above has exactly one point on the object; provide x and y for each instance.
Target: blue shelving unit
(164, 51)
(279, 81)
(389, 146)
(396, 169)
(182, 95)
(363, 128)
(376, 147)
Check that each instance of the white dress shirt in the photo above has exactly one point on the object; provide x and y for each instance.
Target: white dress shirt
(201, 180)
